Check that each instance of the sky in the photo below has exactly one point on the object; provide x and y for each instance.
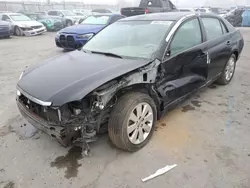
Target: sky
(178, 3)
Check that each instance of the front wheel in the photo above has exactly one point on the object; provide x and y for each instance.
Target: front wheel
(228, 72)
(132, 121)
(18, 31)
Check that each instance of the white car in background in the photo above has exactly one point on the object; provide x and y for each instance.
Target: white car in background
(203, 10)
(23, 25)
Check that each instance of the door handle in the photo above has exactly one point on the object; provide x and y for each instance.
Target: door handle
(228, 43)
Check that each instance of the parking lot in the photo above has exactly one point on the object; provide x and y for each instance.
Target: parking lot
(207, 136)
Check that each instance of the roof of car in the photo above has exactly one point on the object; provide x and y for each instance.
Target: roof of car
(168, 16)
(106, 14)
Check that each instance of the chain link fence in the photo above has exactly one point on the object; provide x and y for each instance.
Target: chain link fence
(36, 6)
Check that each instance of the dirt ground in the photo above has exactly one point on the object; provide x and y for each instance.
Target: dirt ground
(208, 136)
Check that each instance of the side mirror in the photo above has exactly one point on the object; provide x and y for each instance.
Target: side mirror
(7, 20)
(61, 15)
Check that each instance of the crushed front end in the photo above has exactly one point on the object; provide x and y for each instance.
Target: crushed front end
(76, 122)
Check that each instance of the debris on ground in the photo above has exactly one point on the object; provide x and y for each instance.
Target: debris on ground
(159, 172)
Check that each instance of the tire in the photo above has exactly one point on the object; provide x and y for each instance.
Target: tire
(230, 66)
(17, 31)
(120, 119)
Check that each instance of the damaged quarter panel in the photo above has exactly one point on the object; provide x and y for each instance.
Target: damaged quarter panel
(72, 76)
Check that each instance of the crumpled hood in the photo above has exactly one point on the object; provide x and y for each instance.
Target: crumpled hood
(83, 29)
(28, 23)
(72, 76)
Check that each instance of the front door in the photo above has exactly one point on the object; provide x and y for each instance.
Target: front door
(185, 69)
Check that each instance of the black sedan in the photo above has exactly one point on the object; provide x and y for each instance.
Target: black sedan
(128, 76)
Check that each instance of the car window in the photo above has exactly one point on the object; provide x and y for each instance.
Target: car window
(224, 29)
(19, 17)
(54, 13)
(187, 36)
(96, 20)
(212, 27)
(151, 3)
(138, 39)
(5, 17)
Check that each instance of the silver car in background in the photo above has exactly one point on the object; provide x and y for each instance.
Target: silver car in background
(23, 25)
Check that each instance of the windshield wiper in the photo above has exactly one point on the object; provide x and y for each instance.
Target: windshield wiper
(107, 54)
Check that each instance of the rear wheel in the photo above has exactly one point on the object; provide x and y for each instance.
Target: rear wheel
(18, 31)
(132, 121)
(228, 72)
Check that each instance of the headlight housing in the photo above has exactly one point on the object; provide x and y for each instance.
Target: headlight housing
(48, 21)
(85, 36)
(58, 34)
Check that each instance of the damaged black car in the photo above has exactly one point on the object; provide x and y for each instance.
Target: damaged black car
(128, 76)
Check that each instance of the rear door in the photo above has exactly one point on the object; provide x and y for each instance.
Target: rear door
(218, 42)
(185, 65)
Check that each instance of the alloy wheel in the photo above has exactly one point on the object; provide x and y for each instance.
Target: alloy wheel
(140, 123)
(230, 69)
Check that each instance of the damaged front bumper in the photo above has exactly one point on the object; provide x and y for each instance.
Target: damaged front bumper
(64, 133)
(33, 32)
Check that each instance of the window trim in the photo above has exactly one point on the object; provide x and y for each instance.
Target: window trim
(171, 40)
(223, 24)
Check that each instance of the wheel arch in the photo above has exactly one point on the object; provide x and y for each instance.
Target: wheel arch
(236, 53)
(146, 88)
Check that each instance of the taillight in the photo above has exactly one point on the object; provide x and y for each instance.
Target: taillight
(146, 11)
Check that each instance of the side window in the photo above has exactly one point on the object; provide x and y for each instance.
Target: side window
(187, 36)
(212, 27)
(5, 17)
(224, 29)
(53, 13)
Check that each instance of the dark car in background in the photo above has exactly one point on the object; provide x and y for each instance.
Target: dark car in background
(128, 76)
(149, 6)
(76, 36)
(235, 16)
(51, 24)
(5, 29)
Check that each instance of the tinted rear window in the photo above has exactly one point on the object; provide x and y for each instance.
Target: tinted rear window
(212, 27)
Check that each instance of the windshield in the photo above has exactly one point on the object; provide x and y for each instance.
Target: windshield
(20, 17)
(68, 13)
(137, 39)
(96, 20)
